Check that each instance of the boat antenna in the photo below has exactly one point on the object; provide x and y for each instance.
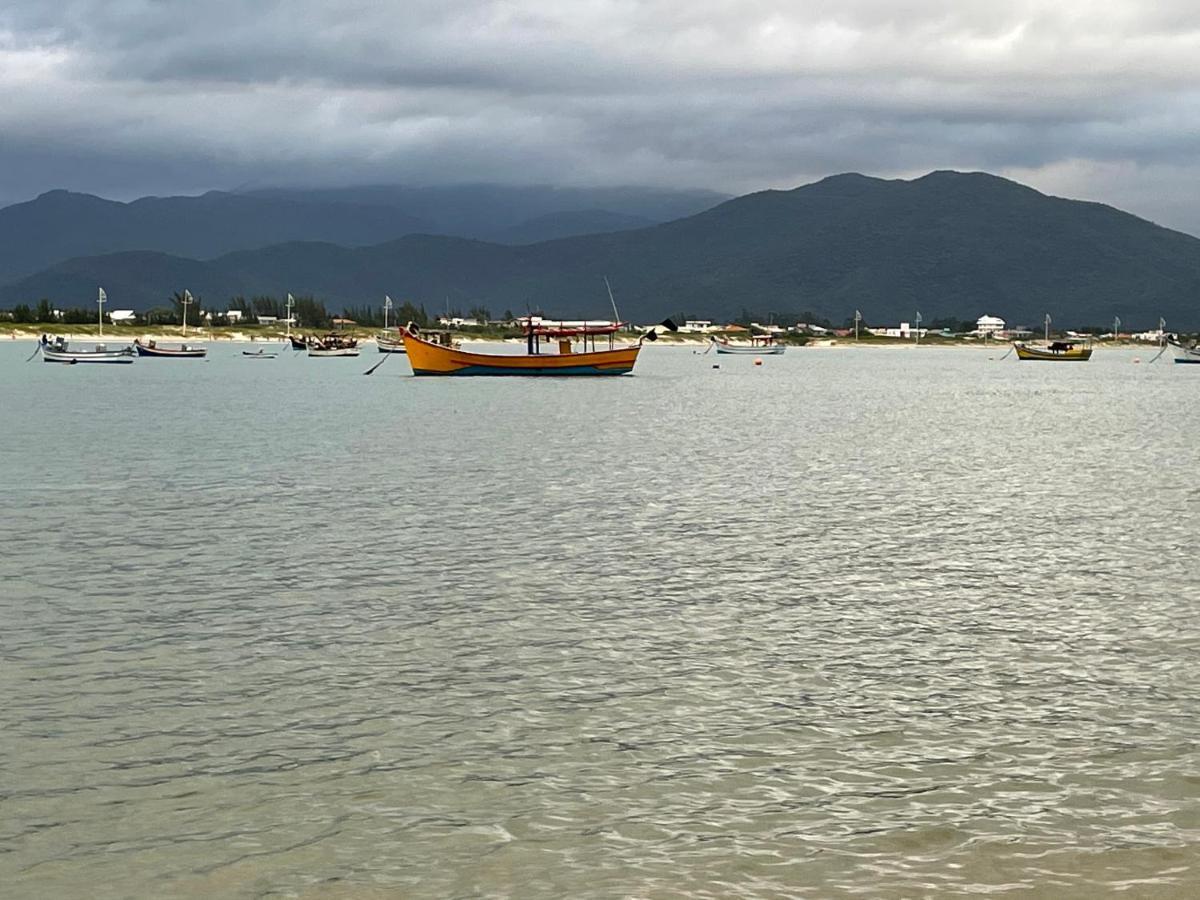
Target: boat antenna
(616, 315)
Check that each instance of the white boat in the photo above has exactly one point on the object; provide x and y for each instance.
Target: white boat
(389, 344)
(760, 345)
(259, 354)
(60, 351)
(332, 351)
(1186, 354)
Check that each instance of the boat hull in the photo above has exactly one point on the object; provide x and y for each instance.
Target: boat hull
(428, 358)
(390, 346)
(184, 352)
(87, 356)
(1077, 354)
(335, 351)
(734, 350)
(257, 355)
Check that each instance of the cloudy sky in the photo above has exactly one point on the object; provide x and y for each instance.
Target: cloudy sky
(128, 97)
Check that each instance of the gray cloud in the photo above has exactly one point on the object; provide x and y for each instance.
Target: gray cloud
(132, 96)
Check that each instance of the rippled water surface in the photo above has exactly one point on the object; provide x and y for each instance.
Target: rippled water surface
(880, 623)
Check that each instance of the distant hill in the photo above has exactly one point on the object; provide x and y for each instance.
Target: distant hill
(61, 225)
(948, 244)
(511, 214)
(552, 226)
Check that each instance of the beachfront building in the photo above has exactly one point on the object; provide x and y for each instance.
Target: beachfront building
(989, 325)
(457, 322)
(905, 330)
(233, 316)
(697, 326)
(122, 317)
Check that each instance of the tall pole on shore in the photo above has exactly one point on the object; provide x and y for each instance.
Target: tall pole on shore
(187, 299)
(100, 304)
(918, 327)
(387, 304)
(291, 301)
(1047, 328)
(1116, 328)
(857, 319)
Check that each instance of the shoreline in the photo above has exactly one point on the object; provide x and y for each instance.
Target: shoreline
(682, 342)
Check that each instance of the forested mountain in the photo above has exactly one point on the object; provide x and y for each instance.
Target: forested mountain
(947, 244)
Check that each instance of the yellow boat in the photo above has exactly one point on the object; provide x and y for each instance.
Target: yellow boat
(441, 357)
(1055, 351)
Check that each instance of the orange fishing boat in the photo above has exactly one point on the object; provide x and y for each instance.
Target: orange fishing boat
(439, 356)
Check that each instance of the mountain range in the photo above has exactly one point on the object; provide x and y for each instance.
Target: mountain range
(948, 244)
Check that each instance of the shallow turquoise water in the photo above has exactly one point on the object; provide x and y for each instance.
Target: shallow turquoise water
(854, 623)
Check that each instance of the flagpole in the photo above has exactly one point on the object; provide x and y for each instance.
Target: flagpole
(187, 299)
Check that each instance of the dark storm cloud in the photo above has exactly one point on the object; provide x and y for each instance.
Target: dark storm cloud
(131, 96)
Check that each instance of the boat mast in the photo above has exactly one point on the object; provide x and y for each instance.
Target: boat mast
(1116, 329)
(387, 304)
(291, 301)
(100, 304)
(1047, 328)
(187, 299)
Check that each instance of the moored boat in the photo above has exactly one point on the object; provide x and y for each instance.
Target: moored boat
(389, 344)
(760, 345)
(298, 343)
(1185, 354)
(441, 357)
(258, 354)
(332, 345)
(182, 351)
(58, 350)
(1054, 351)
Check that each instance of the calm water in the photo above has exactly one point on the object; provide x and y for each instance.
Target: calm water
(880, 623)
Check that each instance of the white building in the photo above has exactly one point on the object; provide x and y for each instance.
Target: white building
(233, 315)
(904, 331)
(123, 316)
(989, 325)
(457, 322)
(697, 326)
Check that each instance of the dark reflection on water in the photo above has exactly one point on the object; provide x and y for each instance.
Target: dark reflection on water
(855, 623)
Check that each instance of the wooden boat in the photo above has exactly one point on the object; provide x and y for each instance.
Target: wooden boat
(1185, 354)
(436, 354)
(389, 344)
(1054, 351)
(182, 351)
(58, 350)
(332, 345)
(298, 343)
(760, 345)
(259, 354)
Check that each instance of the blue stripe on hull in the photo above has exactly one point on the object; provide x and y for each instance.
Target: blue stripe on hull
(1186, 361)
(558, 370)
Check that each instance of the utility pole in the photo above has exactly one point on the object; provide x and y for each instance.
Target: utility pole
(918, 327)
(100, 303)
(291, 301)
(387, 304)
(857, 319)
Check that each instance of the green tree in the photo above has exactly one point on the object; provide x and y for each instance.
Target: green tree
(22, 313)
(45, 312)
